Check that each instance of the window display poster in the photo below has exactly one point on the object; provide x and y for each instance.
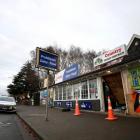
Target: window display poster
(59, 104)
(86, 105)
(69, 104)
(134, 76)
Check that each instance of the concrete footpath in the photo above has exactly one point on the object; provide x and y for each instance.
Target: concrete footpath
(87, 126)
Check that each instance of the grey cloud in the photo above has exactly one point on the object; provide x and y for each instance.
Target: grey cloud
(96, 25)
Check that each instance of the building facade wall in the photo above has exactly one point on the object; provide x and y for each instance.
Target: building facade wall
(132, 83)
(91, 95)
(87, 91)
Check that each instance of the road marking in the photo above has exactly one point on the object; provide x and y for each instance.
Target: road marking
(5, 124)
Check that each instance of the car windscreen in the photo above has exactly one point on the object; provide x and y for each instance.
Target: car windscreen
(9, 99)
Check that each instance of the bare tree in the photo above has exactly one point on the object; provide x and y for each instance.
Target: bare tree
(88, 61)
(62, 58)
(33, 58)
(73, 56)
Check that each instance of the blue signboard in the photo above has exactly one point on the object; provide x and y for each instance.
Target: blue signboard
(44, 94)
(71, 72)
(86, 105)
(46, 59)
(69, 104)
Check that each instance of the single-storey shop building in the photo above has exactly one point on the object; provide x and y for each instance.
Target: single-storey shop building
(116, 74)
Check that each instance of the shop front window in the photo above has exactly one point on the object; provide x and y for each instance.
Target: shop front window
(84, 90)
(93, 89)
(76, 90)
(60, 92)
(56, 93)
(64, 92)
(69, 92)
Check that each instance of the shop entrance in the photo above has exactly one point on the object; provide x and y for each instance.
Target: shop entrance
(112, 86)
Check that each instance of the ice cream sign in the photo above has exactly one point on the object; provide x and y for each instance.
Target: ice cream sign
(110, 55)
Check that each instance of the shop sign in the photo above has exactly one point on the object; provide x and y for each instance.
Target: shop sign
(86, 105)
(71, 72)
(46, 59)
(114, 62)
(110, 55)
(67, 74)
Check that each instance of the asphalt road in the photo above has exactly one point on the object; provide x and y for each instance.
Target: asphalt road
(87, 126)
(11, 128)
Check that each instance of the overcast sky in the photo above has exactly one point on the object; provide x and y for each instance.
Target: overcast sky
(89, 24)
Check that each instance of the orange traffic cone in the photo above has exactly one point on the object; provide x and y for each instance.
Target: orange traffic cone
(110, 111)
(138, 109)
(77, 110)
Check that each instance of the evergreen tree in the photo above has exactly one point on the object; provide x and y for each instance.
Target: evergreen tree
(25, 82)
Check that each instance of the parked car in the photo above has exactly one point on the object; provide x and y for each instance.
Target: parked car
(7, 104)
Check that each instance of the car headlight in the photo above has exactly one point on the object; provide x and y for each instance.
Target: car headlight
(12, 107)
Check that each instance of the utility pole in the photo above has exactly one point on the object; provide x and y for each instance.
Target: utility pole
(47, 97)
(47, 61)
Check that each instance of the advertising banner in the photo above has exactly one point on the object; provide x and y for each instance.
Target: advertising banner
(69, 104)
(86, 105)
(67, 74)
(46, 59)
(134, 76)
(110, 55)
(71, 72)
(43, 94)
(59, 77)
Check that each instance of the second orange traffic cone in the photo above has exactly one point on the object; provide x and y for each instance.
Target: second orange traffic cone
(138, 109)
(111, 116)
(77, 110)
